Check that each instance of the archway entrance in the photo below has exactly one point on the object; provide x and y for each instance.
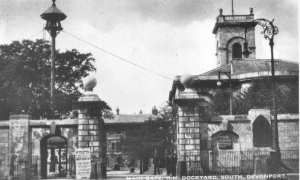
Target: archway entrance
(54, 156)
(262, 132)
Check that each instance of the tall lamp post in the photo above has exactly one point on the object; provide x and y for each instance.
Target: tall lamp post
(53, 17)
(219, 83)
(269, 31)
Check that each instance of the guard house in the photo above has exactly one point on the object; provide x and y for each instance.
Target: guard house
(211, 143)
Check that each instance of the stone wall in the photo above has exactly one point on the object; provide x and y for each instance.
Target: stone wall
(244, 130)
(4, 153)
(288, 132)
(19, 150)
(37, 133)
(226, 35)
(195, 144)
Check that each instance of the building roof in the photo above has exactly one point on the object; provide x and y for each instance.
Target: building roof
(250, 69)
(238, 67)
(130, 118)
(240, 71)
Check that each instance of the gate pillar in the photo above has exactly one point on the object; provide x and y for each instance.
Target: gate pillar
(19, 149)
(91, 132)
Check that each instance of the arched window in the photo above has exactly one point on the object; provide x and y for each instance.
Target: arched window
(236, 51)
(262, 133)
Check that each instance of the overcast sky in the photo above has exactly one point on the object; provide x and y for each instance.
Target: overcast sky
(170, 37)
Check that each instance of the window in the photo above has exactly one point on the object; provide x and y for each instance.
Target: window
(236, 51)
(113, 146)
(118, 146)
(262, 133)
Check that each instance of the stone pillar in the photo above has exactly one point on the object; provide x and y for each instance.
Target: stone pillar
(188, 136)
(181, 169)
(19, 150)
(192, 138)
(91, 133)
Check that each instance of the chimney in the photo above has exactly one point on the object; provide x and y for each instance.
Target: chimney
(220, 12)
(154, 111)
(118, 111)
(251, 11)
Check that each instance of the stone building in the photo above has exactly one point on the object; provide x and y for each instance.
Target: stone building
(124, 147)
(232, 143)
(117, 130)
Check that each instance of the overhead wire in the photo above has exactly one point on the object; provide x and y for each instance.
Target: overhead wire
(35, 34)
(126, 60)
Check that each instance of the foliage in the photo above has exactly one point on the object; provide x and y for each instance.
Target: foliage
(107, 114)
(25, 77)
(155, 133)
(259, 95)
(221, 101)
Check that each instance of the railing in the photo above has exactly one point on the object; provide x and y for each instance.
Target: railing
(236, 18)
(17, 169)
(237, 162)
(291, 159)
(35, 163)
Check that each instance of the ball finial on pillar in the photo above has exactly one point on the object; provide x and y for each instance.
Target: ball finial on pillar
(90, 83)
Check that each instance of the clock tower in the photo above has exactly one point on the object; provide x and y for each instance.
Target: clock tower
(235, 37)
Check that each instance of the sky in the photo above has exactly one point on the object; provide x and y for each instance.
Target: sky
(168, 37)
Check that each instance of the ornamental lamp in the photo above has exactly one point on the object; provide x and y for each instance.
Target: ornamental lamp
(53, 17)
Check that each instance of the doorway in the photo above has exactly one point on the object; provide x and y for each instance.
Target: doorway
(262, 132)
(54, 156)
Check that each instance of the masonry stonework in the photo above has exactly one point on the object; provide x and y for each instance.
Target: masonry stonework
(4, 152)
(19, 151)
(225, 143)
(234, 29)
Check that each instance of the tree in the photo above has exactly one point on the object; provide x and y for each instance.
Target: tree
(221, 101)
(154, 134)
(259, 95)
(25, 77)
(137, 145)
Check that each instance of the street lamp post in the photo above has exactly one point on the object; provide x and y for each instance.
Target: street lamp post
(53, 16)
(219, 83)
(269, 31)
